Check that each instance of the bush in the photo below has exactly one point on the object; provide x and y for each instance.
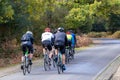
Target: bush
(97, 34)
(115, 35)
(83, 41)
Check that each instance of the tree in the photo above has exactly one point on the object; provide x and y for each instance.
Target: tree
(82, 17)
(6, 11)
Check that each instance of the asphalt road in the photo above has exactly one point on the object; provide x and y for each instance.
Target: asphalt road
(87, 65)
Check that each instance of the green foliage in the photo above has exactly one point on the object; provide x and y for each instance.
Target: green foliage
(17, 16)
(6, 11)
(108, 13)
(82, 16)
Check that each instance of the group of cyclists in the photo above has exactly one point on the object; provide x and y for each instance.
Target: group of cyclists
(53, 41)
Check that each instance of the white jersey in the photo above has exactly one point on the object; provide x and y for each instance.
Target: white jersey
(47, 36)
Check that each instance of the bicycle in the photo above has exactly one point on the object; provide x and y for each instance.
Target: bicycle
(72, 52)
(26, 64)
(46, 60)
(53, 59)
(59, 62)
(69, 54)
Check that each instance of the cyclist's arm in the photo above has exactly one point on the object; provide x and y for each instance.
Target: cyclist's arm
(75, 39)
(32, 39)
(66, 41)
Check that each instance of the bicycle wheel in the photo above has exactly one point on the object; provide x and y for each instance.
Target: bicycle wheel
(46, 62)
(59, 64)
(24, 67)
(28, 66)
(72, 53)
(67, 56)
(53, 60)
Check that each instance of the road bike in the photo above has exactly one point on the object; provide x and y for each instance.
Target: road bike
(72, 52)
(69, 54)
(26, 64)
(53, 59)
(47, 64)
(59, 62)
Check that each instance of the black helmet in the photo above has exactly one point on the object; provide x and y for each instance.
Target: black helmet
(71, 31)
(55, 31)
(61, 29)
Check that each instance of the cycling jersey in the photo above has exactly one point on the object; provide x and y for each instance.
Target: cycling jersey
(60, 41)
(69, 37)
(27, 39)
(27, 42)
(73, 39)
(47, 36)
(60, 36)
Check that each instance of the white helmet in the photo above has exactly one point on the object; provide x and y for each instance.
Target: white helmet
(29, 32)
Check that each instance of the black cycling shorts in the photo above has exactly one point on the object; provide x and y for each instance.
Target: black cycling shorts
(69, 43)
(61, 45)
(47, 44)
(26, 47)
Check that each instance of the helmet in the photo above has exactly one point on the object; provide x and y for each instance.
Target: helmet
(71, 31)
(47, 29)
(29, 32)
(68, 32)
(61, 29)
(55, 31)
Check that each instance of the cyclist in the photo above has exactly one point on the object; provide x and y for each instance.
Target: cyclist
(47, 40)
(60, 41)
(27, 43)
(69, 38)
(73, 39)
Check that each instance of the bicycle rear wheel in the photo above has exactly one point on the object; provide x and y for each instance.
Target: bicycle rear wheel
(53, 60)
(46, 63)
(29, 67)
(67, 56)
(59, 65)
(24, 67)
(72, 53)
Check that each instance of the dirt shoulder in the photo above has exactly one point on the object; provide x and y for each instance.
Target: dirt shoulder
(16, 68)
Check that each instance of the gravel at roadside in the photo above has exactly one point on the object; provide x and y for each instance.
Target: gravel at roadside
(116, 76)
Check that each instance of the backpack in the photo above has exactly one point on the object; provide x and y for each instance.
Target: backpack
(25, 37)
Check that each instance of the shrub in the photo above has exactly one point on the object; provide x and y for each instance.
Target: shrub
(97, 34)
(83, 41)
(115, 35)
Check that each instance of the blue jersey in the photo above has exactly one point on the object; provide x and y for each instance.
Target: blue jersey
(73, 39)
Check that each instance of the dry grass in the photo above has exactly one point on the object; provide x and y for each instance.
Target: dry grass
(83, 41)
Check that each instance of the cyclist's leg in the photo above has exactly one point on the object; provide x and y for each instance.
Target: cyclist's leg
(56, 53)
(73, 48)
(44, 45)
(49, 46)
(62, 48)
(30, 48)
